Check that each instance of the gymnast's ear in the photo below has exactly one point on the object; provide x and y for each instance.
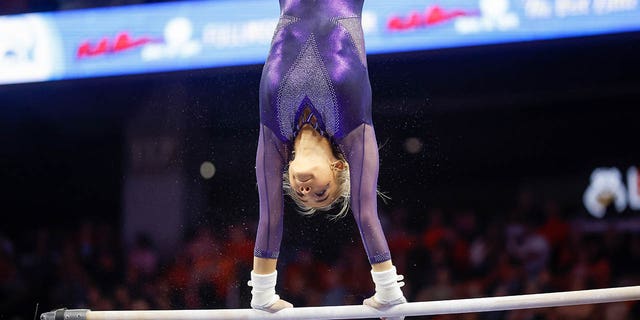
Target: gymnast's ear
(339, 165)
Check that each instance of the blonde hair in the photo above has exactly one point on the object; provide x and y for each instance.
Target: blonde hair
(343, 193)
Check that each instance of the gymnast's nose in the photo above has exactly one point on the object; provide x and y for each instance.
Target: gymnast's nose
(303, 182)
(304, 189)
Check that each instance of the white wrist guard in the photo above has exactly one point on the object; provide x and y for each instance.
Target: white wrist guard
(264, 289)
(388, 284)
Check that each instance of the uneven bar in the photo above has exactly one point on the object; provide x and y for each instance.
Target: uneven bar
(542, 300)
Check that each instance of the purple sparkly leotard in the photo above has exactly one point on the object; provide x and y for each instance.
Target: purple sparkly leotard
(318, 61)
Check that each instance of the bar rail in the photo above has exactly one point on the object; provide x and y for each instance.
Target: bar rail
(528, 301)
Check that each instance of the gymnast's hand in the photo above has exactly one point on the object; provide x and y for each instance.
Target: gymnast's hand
(388, 293)
(276, 306)
(373, 303)
(264, 295)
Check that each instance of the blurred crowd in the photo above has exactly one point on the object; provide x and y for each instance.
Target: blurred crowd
(451, 254)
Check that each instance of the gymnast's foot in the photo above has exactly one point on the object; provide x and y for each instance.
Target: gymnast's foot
(275, 307)
(373, 303)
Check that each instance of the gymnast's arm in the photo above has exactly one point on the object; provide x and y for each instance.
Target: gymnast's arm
(361, 152)
(270, 161)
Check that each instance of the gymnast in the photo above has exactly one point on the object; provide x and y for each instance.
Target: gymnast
(317, 141)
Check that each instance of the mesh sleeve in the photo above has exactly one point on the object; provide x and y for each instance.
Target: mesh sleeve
(361, 151)
(270, 160)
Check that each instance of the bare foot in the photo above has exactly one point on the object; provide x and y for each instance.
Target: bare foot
(276, 306)
(373, 303)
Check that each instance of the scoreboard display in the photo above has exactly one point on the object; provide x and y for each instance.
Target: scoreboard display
(186, 35)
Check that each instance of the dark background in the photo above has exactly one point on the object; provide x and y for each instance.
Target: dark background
(492, 120)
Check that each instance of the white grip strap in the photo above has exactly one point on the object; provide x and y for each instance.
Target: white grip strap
(388, 284)
(264, 289)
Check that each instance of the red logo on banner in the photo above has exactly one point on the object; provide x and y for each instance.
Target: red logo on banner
(122, 42)
(432, 16)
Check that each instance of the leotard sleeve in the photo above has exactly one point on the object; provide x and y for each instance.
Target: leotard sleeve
(270, 161)
(361, 151)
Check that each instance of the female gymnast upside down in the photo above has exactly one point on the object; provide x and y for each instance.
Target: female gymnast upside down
(317, 140)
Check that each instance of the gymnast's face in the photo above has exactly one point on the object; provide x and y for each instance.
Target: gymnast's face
(312, 171)
(312, 177)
